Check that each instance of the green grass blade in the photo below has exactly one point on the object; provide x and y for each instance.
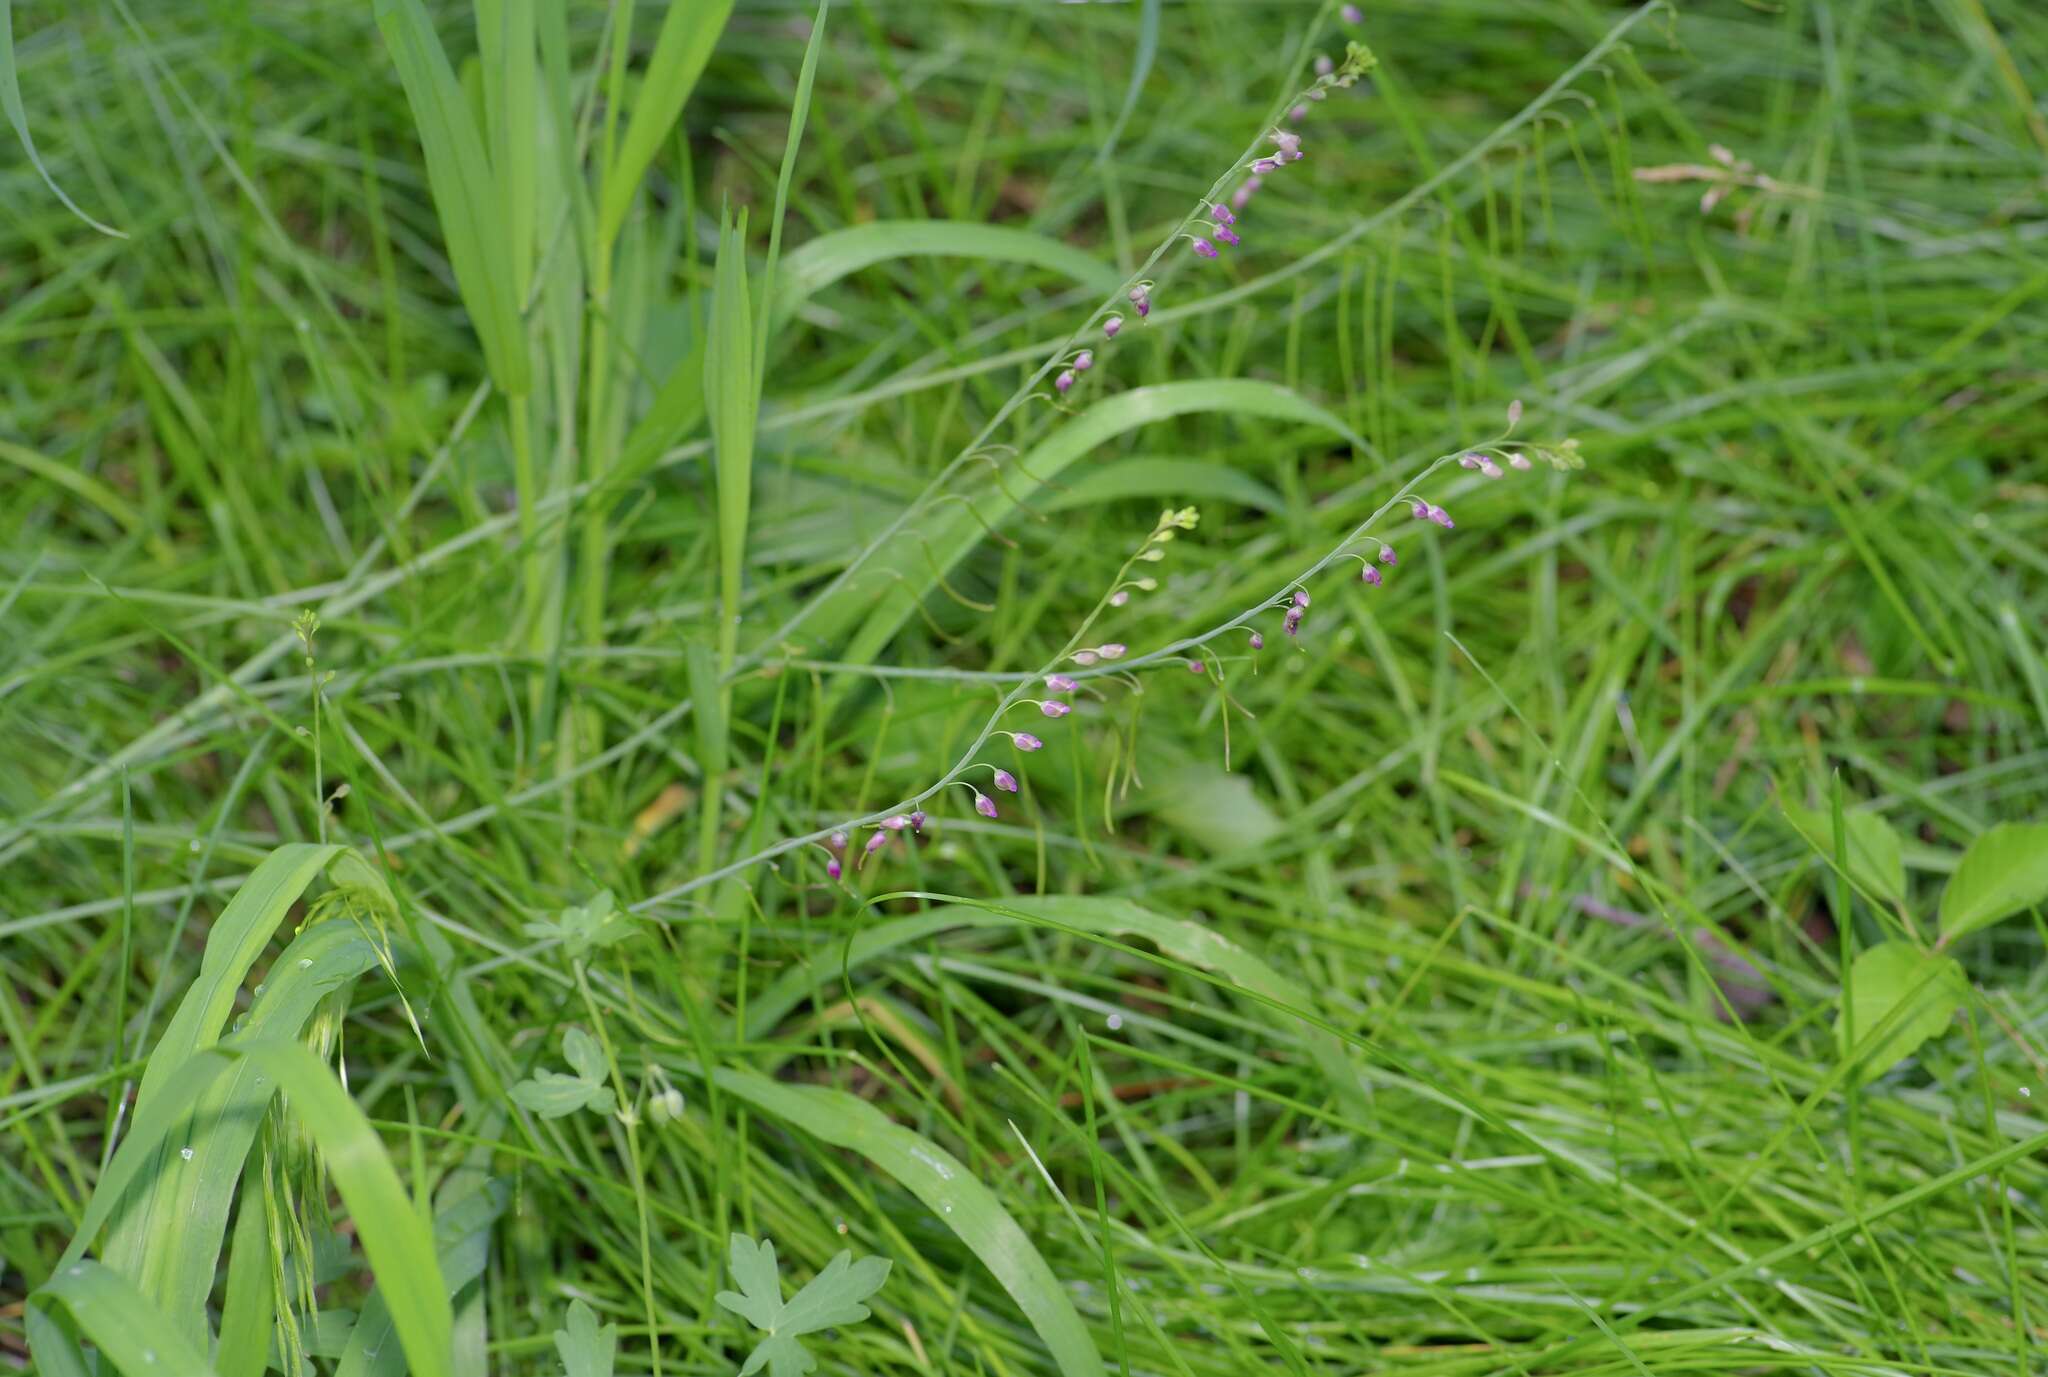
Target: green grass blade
(948, 1188)
(689, 31)
(1186, 942)
(397, 1242)
(466, 196)
(238, 938)
(462, 1237)
(885, 597)
(1181, 480)
(1142, 56)
(249, 1310)
(189, 1197)
(732, 399)
(505, 33)
(799, 115)
(10, 100)
(131, 1331)
(813, 266)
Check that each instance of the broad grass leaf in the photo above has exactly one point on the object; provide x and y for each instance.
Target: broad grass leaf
(1159, 478)
(886, 594)
(462, 1237)
(395, 1239)
(1898, 997)
(689, 31)
(1875, 859)
(1191, 943)
(957, 1198)
(818, 263)
(466, 195)
(131, 1330)
(168, 1235)
(732, 395)
(2003, 872)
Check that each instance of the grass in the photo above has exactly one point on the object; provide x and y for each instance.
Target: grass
(1443, 993)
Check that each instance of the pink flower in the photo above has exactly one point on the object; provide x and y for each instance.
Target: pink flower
(1111, 326)
(984, 805)
(1052, 707)
(1351, 14)
(1371, 576)
(1387, 555)
(1084, 361)
(1025, 741)
(1203, 248)
(1064, 381)
(833, 868)
(1060, 683)
(1112, 650)
(1258, 641)
(1005, 781)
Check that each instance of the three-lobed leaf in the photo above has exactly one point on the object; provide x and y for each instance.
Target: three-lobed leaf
(586, 928)
(553, 1095)
(835, 1296)
(1897, 997)
(586, 1350)
(2004, 872)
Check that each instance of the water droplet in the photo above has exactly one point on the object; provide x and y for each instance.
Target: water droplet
(1116, 1021)
(841, 1226)
(148, 1355)
(2025, 1093)
(945, 1207)
(74, 1271)
(305, 963)
(185, 1153)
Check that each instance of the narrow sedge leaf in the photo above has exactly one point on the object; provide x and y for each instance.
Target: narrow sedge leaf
(689, 31)
(10, 100)
(2004, 872)
(1876, 859)
(466, 197)
(1900, 997)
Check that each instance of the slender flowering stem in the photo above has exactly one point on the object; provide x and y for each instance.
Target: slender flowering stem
(1367, 225)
